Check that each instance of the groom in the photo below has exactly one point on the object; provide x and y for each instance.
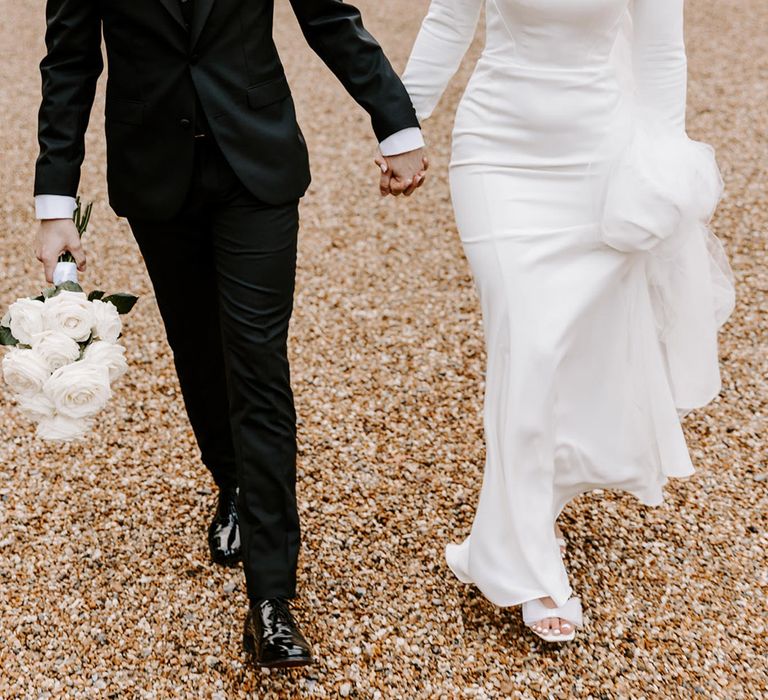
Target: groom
(208, 164)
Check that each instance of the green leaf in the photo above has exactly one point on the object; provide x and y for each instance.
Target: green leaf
(87, 221)
(68, 287)
(6, 337)
(122, 302)
(49, 292)
(82, 215)
(96, 294)
(40, 297)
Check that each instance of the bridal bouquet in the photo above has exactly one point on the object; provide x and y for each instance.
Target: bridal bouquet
(64, 355)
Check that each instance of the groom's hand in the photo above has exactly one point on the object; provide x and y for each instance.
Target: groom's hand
(54, 237)
(403, 173)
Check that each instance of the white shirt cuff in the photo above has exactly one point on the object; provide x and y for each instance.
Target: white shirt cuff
(402, 142)
(54, 206)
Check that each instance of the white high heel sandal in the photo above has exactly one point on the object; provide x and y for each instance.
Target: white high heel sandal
(535, 611)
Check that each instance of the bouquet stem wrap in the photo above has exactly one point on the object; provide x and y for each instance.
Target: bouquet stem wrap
(65, 272)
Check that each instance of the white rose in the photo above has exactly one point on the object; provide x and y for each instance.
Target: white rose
(26, 319)
(70, 313)
(36, 407)
(79, 390)
(109, 355)
(63, 428)
(24, 372)
(55, 349)
(108, 324)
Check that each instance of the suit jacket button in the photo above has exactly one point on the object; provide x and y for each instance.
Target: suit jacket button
(185, 123)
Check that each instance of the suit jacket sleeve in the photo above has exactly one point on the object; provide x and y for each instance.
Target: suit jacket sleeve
(69, 71)
(335, 31)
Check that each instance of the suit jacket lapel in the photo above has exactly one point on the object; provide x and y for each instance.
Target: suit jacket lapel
(174, 9)
(202, 11)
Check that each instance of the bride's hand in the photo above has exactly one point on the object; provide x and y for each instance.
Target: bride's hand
(386, 175)
(403, 173)
(54, 237)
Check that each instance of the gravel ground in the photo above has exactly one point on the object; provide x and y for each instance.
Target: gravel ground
(388, 359)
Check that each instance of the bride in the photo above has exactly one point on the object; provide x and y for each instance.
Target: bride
(583, 209)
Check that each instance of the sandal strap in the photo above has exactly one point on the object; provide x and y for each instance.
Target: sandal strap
(535, 611)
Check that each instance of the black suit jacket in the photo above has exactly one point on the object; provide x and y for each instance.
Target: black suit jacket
(157, 63)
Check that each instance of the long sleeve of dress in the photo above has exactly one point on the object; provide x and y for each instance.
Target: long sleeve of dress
(445, 36)
(659, 62)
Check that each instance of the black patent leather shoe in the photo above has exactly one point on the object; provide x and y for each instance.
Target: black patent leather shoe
(271, 637)
(224, 532)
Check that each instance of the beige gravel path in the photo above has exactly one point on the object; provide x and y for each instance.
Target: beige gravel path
(388, 360)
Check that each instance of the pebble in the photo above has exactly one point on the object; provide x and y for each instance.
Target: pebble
(106, 588)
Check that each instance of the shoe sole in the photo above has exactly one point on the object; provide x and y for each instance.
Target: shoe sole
(250, 652)
(227, 562)
(556, 639)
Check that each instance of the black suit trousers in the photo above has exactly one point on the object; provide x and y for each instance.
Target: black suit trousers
(223, 270)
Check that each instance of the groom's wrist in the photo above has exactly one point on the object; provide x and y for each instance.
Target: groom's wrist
(54, 206)
(403, 141)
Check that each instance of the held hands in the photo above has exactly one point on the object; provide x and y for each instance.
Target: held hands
(54, 237)
(403, 173)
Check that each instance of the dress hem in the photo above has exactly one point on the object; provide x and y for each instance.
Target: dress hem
(648, 498)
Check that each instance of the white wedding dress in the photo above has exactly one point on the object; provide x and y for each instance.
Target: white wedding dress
(582, 207)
